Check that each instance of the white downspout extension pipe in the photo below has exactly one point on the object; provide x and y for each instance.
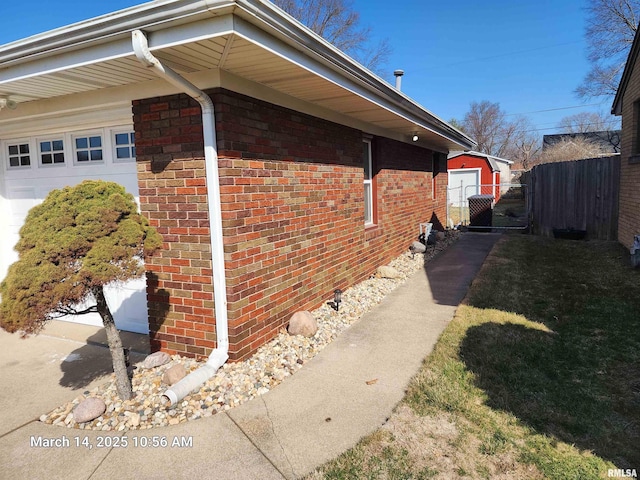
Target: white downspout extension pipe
(218, 356)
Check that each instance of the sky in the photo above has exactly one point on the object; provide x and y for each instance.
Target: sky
(527, 55)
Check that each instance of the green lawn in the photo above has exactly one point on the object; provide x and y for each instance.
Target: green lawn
(537, 376)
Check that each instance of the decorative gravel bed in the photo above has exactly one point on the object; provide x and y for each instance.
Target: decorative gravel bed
(235, 383)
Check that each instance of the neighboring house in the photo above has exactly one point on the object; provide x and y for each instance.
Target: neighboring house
(473, 173)
(608, 140)
(627, 104)
(320, 181)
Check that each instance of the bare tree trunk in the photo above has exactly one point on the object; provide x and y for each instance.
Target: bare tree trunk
(123, 382)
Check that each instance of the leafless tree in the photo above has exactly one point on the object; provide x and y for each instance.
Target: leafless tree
(611, 27)
(571, 149)
(497, 134)
(488, 125)
(337, 22)
(526, 150)
(584, 122)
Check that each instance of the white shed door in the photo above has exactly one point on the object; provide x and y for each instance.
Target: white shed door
(463, 183)
(35, 170)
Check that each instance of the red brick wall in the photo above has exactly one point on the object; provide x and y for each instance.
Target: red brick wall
(629, 213)
(293, 215)
(171, 181)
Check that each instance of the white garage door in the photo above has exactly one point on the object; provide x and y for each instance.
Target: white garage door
(462, 184)
(34, 166)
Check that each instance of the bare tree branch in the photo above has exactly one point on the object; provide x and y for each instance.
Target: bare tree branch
(611, 27)
(584, 122)
(338, 23)
(63, 310)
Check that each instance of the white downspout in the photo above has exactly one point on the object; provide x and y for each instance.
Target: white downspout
(219, 355)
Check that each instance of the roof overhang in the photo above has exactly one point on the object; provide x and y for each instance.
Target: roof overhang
(249, 46)
(616, 107)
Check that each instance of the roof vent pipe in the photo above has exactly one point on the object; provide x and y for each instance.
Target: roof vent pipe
(398, 74)
(220, 354)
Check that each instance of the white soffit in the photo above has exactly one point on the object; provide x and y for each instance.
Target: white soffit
(232, 44)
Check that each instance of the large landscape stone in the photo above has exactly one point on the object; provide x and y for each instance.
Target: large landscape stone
(174, 374)
(418, 247)
(156, 359)
(385, 271)
(89, 409)
(303, 323)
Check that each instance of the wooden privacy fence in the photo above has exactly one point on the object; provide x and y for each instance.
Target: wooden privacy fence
(580, 195)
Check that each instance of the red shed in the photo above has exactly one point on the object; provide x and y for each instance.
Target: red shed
(475, 173)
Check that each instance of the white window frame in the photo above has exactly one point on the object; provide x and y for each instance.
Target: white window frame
(132, 146)
(88, 134)
(18, 141)
(368, 185)
(51, 139)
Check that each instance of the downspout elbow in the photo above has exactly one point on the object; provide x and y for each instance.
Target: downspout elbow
(143, 53)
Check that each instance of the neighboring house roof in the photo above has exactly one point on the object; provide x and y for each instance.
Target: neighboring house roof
(609, 140)
(616, 107)
(493, 161)
(285, 62)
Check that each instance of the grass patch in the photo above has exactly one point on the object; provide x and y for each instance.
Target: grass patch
(537, 376)
(510, 211)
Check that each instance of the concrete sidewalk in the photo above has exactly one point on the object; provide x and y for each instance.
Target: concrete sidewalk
(346, 392)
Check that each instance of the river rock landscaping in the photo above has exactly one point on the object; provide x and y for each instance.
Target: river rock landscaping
(236, 383)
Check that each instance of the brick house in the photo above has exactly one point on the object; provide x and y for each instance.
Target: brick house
(627, 104)
(315, 174)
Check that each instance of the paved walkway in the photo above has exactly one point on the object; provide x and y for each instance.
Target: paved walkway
(324, 409)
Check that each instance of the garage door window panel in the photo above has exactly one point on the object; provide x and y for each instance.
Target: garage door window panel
(124, 146)
(51, 152)
(88, 149)
(19, 155)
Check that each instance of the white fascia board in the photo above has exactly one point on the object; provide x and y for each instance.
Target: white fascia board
(118, 48)
(51, 64)
(321, 67)
(188, 33)
(152, 15)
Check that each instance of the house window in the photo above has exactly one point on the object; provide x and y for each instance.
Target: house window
(88, 149)
(51, 152)
(368, 181)
(125, 146)
(19, 155)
